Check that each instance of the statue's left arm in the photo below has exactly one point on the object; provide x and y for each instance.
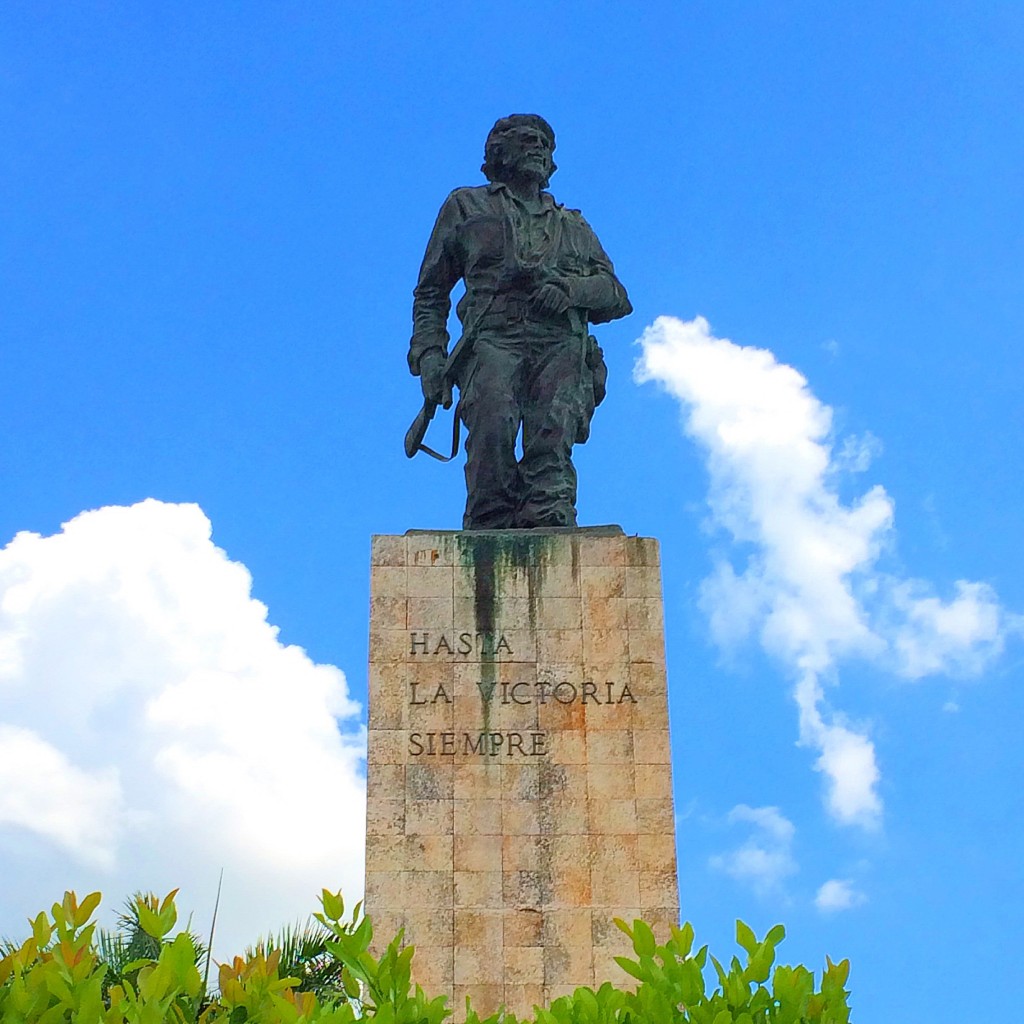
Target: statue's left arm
(595, 288)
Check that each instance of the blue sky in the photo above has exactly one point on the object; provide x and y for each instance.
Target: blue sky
(212, 221)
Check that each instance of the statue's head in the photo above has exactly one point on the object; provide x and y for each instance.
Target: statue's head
(519, 147)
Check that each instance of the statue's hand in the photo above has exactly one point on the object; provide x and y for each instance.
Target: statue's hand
(432, 375)
(550, 299)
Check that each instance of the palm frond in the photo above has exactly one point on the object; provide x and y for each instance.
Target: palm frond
(304, 956)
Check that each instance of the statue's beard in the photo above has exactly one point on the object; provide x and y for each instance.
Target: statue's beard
(519, 171)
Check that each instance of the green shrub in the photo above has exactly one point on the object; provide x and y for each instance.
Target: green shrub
(59, 974)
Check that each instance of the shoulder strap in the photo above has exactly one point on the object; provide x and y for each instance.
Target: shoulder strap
(455, 440)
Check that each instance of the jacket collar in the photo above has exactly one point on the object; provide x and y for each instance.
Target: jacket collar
(548, 201)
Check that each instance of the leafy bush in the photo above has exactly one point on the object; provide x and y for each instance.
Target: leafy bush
(59, 974)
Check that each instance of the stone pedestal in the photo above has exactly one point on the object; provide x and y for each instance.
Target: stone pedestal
(519, 785)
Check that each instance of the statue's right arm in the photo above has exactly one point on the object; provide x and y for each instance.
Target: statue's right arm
(440, 270)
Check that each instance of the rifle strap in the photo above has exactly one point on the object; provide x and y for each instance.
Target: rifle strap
(455, 440)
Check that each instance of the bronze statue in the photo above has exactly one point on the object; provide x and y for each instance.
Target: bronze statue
(536, 277)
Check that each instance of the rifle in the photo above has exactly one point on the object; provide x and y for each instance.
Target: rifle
(418, 429)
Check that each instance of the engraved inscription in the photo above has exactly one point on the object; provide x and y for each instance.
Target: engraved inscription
(423, 642)
(485, 744)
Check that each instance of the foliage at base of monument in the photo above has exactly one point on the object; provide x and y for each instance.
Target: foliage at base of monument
(60, 974)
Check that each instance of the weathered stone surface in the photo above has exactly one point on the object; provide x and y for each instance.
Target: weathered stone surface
(519, 792)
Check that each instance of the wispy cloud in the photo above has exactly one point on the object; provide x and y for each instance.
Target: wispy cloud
(802, 573)
(765, 859)
(153, 728)
(838, 894)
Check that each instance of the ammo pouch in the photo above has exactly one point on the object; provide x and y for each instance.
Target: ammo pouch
(593, 386)
(599, 369)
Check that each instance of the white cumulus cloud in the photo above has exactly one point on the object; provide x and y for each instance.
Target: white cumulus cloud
(802, 571)
(838, 894)
(153, 729)
(765, 858)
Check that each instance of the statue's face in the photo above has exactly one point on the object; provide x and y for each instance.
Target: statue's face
(527, 154)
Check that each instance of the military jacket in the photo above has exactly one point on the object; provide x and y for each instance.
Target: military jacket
(485, 237)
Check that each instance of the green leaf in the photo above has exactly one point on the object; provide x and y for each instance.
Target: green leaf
(775, 935)
(333, 904)
(350, 984)
(42, 929)
(167, 915)
(760, 965)
(683, 938)
(737, 991)
(587, 1002)
(691, 982)
(723, 978)
(149, 921)
(86, 908)
(631, 967)
(837, 973)
(643, 938)
(745, 937)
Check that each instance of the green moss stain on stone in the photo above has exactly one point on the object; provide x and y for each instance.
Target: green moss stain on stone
(493, 561)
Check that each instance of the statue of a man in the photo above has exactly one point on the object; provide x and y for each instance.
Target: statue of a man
(536, 277)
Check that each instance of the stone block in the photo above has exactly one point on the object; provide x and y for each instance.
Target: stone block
(523, 926)
(642, 551)
(602, 583)
(430, 613)
(480, 928)
(486, 999)
(655, 816)
(476, 965)
(477, 817)
(610, 747)
(385, 817)
(525, 997)
(610, 782)
(658, 888)
(387, 889)
(605, 613)
(430, 550)
(652, 781)
(605, 652)
(568, 747)
(478, 889)
(650, 746)
(559, 646)
(524, 965)
(384, 780)
(387, 581)
(646, 646)
(428, 817)
(559, 581)
(644, 613)
(643, 581)
(428, 852)
(388, 551)
(606, 552)
(389, 612)
(478, 853)
(656, 852)
(613, 817)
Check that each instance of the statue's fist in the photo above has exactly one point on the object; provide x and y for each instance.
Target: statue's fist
(551, 299)
(432, 375)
